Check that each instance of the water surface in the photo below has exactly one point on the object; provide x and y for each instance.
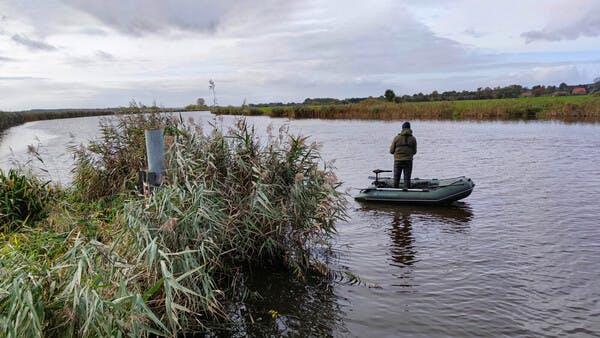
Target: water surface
(519, 257)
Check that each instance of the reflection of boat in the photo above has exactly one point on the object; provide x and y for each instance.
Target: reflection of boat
(401, 218)
(422, 191)
(458, 213)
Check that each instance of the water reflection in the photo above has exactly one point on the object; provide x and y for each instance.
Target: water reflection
(279, 305)
(403, 252)
(454, 218)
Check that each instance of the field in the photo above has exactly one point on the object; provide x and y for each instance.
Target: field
(584, 108)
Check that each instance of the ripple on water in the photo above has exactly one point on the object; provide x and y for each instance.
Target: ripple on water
(518, 258)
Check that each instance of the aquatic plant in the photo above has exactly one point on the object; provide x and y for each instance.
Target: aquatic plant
(108, 261)
(11, 119)
(23, 199)
(564, 108)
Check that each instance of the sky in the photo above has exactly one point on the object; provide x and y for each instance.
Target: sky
(93, 54)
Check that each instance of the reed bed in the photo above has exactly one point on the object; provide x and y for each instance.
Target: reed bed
(23, 199)
(11, 119)
(570, 108)
(109, 262)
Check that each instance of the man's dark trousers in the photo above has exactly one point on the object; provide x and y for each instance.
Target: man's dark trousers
(399, 166)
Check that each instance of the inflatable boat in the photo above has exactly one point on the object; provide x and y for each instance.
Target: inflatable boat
(421, 191)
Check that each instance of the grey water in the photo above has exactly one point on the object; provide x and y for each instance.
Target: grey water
(519, 257)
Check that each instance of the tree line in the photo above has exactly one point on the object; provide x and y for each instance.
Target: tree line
(512, 91)
(482, 93)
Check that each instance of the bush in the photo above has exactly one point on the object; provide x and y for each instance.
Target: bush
(23, 200)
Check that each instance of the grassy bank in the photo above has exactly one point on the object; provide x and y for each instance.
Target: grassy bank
(98, 259)
(11, 119)
(564, 108)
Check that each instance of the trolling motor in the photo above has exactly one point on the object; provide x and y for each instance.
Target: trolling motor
(377, 172)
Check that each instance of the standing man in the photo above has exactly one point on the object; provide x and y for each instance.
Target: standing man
(404, 147)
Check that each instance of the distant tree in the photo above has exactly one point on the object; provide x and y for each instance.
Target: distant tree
(355, 99)
(420, 97)
(321, 101)
(389, 95)
(200, 102)
(563, 86)
(550, 90)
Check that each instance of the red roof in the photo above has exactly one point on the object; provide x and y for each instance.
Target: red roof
(578, 90)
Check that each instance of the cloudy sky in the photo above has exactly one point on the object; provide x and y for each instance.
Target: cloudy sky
(91, 53)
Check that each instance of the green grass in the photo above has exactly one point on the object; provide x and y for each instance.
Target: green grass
(23, 199)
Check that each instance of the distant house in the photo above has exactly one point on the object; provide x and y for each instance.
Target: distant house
(579, 91)
(526, 94)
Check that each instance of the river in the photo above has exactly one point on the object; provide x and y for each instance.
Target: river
(519, 257)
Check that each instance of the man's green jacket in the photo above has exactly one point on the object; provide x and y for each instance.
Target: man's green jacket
(404, 146)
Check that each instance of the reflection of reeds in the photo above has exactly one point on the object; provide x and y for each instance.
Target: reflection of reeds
(568, 108)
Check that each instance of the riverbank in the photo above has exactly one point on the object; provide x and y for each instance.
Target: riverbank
(585, 108)
(100, 259)
(12, 119)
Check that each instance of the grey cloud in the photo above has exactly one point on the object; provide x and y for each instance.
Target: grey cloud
(89, 59)
(588, 25)
(394, 42)
(315, 52)
(474, 33)
(104, 56)
(93, 31)
(139, 17)
(32, 44)
(331, 55)
(45, 93)
(20, 78)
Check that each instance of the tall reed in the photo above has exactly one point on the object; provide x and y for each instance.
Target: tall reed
(23, 199)
(107, 262)
(582, 108)
(11, 119)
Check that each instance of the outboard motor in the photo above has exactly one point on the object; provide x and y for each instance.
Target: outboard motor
(377, 183)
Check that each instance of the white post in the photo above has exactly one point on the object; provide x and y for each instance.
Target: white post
(155, 151)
